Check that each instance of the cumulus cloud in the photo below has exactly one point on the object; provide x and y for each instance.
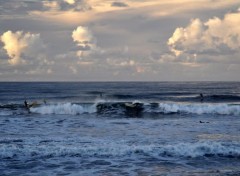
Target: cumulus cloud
(17, 44)
(84, 39)
(213, 37)
(70, 1)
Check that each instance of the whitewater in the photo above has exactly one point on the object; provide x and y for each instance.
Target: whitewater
(165, 108)
(127, 128)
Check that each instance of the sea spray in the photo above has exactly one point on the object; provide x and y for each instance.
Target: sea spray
(120, 107)
(64, 108)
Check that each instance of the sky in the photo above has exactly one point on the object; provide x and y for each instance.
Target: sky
(119, 40)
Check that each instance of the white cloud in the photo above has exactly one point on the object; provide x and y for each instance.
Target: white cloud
(52, 5)
(84, 39)
(19, 43)
(82, 34)
(213, 37)
(70, 1)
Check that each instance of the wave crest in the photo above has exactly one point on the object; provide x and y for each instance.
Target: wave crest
(220, 109)
(138, 108)
(65, 108)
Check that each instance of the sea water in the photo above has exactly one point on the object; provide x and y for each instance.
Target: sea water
(120, 128)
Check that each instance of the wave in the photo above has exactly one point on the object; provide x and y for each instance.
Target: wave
(65, 108)
(5, 113)
(137, 108)
(132, 109)
(219, 109)
(51, 148)
(222, 98)
(206, 98)
(11, 106)
(176, 97)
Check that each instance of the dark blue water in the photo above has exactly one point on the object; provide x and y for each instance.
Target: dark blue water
(120, 128)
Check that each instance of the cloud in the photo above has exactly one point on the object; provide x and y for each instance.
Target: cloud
(70, 1)
(65, 5)
(84, 39)
(119, 4)
(53, 5)
(19, 43)
(11, 7)
(120, 63)
(214, 37)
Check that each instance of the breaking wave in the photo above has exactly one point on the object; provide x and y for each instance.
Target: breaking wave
(220, 109)
(134, 108)
(138, 108)
(65, 108)
(51, 148)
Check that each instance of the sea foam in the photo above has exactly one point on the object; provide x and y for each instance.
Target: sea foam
(5, 113)
(64, 108)
(203, 108)
(119, 107)
(118, 149)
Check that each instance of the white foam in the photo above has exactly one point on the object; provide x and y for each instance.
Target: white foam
(202, 148)
(203, 108)
(64, 108)
(166, 108)
(119, 149)
(5, 113)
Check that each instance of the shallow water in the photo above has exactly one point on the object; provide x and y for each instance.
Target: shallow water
(172, 133)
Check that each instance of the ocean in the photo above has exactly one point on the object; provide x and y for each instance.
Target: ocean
(119, 128)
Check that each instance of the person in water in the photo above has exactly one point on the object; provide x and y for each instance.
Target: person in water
(26, 104)
(201, 97)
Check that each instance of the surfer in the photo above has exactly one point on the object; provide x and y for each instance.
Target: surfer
(201, 97)
(26, 104)
(29, 105)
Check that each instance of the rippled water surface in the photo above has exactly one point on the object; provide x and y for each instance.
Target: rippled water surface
(120, 129)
